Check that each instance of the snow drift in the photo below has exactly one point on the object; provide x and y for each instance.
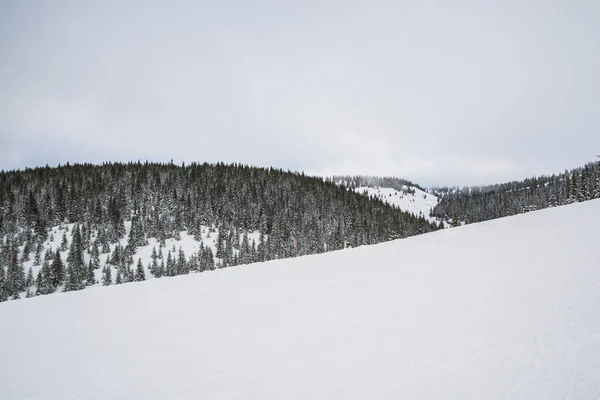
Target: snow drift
(504, 309)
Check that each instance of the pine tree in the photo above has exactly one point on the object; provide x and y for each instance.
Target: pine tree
(105, 247)
(116, 257)
(182, 267)
(220, 244)
(154, 267)
(170, 270)
(3, 293)
(57, 269)
(26, 251)
(76, 269)
(29, 279)
(38, 255)
(91, 277)
(210, 261)
(193, 263)
(49, 255)
(95, 255)
(139, 272)
(154, 256)
(44, 280)
(106, 276)
(15, 275)
(136, 235)
(161, 269)
(64, 243)
(201, 258)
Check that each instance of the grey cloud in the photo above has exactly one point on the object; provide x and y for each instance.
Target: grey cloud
(468, 93)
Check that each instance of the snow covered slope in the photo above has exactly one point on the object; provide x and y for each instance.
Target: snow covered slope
(412, 200)
(504, 309)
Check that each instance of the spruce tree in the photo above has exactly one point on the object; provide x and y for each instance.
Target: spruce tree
(15, 275)
(3, 293)
(64, 243)
(161, 269)
(95, 255)
(154, 256)
(193, 263)
(76, 269)
(38, 255)
(26, 251)
(29, 280)
(44, 280)
(210, 261)
(139, 272)
(201, 258)
(170, 270)
(57, 270)
(106, 276)
(49, 254)
(182, 267)
(91, 276)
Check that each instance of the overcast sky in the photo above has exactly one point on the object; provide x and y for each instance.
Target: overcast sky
(439, 92)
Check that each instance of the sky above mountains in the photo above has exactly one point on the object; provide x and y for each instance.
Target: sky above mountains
(468, 93)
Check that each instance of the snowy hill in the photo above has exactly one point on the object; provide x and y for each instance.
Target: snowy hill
(509, 308)
(411, 199)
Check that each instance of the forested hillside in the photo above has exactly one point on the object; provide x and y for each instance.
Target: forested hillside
(58, 221)
(357, 181)
(476, 204)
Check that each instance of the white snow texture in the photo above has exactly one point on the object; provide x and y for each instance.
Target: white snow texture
(506, 309)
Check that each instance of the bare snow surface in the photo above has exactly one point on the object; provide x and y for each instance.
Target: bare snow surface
(507, 309)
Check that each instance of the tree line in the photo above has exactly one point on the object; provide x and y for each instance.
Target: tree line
(476, 204)
(295, 215)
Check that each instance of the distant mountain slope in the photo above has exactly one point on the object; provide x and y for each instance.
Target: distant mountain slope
(503, 309)
(476, 204)
(409, 199)
(113, 216)
(398, 192)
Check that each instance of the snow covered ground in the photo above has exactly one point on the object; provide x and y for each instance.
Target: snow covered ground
(413, 200)
(504, 309)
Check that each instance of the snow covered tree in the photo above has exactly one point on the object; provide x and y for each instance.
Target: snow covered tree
(76, 269)
(15, 275)
(193, 263)
(29, 279)
(49, 254)
(26, 251)
(38, 255)
(91, 276)
(57, 270)
(182, 267)
(64, 243)
(44, 280)
(136, 235)
(170, 270)
(154, 256)
(95, 255)
(139, 272)
(106, 276)
(161, 269)
(3, 293)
